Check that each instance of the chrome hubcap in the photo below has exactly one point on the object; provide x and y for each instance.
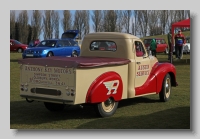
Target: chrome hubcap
(108, 105)
(167, 87)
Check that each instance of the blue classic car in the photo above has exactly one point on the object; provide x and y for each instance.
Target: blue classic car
(54, 47)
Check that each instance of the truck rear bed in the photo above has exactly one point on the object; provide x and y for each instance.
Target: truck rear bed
(61, 79)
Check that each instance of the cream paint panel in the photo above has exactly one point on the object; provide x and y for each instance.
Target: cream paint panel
(131, 79)
(85, 77)
(143, 73)
(44, 76)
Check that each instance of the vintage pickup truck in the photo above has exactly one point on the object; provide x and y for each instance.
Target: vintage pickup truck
(111, 67)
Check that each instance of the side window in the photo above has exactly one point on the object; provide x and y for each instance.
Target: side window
(139, 49)
(66, 43)
(60, 44)
(103, 46)
(158, 41)
(163, 41)
(73, 43)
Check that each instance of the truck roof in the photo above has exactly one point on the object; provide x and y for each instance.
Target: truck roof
(114, 35)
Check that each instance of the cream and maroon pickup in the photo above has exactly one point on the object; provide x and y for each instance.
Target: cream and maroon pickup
(112, 66)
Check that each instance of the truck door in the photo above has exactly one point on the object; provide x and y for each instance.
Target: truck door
(142, 62)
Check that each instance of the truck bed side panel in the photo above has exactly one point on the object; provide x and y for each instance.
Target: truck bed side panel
(85, 77)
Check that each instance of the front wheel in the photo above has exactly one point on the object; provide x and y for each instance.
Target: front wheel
(49, 54)
(107, 108)
(166, 89)
(19, 50)
(54, 106)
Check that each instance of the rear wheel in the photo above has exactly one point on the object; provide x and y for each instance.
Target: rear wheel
(107, 108)
(54, 106)
(49, 54)
(74, 54)
(19, 50)
(166, 89)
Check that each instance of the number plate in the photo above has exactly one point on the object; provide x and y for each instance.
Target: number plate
(29, 55)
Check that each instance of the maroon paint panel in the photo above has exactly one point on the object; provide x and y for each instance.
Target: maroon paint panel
(75, 62)
(104, 87)
(155, 79)
(161, 70)
(149, 86)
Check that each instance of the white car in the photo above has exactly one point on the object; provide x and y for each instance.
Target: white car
(186, 47)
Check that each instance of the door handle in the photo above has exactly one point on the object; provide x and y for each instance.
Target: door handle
(138, 62)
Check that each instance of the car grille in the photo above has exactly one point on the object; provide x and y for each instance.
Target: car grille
(29, 51)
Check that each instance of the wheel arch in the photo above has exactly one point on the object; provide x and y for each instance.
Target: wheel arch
(160, 70)
(99, 89)
(50, 52)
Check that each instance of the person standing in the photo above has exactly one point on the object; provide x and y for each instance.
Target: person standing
(36, 42)
(179, 41)
(169, 37)
(153, 46)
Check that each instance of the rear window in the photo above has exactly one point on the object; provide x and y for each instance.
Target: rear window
(17, 42)
(103, 46)
(48, 43)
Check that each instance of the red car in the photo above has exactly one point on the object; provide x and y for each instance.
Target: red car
(161, 45)
(17, 46)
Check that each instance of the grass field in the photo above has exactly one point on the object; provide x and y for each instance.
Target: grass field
(136, 113)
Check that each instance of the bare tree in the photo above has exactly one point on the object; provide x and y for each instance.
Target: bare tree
(120, 21)
(171, 20)
(23, 26)
(81, 22)
(87, 23)
(187, 12)
(55, 20)
(163, 16)
(127, 17)
(36, 23)
(153, 22)
(12, 24)
(135, 24)
(110, 20)
(66, 22)
(142, 18)
(133, 27)
(97, 20)
(48, 24)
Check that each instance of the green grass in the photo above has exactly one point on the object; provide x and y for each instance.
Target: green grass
(136, 113)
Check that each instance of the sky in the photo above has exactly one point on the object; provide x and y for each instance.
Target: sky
(5, 73)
